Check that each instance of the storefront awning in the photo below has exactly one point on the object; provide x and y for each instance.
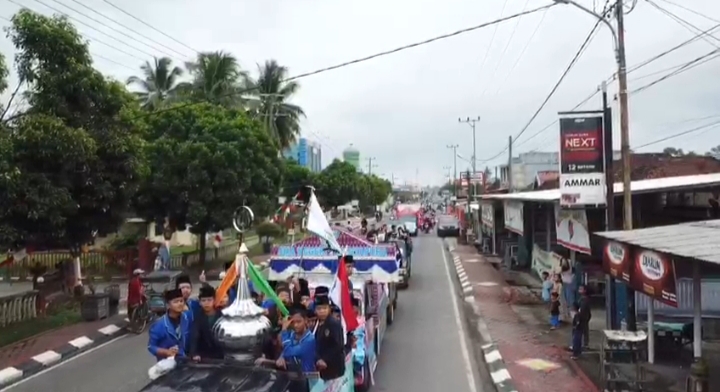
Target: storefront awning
(641, 186)
(694, 240)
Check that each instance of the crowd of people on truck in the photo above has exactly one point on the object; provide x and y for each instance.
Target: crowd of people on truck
(309, 339)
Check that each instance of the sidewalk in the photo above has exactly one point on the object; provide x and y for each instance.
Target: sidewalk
(524, 356)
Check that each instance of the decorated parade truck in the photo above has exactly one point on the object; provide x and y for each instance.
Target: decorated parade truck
(374, 277)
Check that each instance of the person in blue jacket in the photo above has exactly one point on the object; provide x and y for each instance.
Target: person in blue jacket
(298, 343)
(169, 334)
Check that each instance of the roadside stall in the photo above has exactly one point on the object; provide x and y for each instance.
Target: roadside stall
(651, 260)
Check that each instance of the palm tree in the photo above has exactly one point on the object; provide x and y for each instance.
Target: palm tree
(272, 94)
(158, 84)
(217, 78)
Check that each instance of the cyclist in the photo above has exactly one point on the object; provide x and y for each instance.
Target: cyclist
(136, 295)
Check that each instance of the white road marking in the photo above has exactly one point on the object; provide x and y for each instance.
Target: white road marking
(459, 323)
(47, 358)
(81, 342)
(8, 388)
(109, 330)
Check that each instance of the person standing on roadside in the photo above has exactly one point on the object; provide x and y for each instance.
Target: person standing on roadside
(585, 314)
(547, 286)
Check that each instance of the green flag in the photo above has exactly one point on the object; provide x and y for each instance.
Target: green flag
(261, 285)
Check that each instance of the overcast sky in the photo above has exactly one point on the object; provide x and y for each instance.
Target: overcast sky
(402, 109)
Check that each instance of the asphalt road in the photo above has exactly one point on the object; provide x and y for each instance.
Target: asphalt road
(424, 350)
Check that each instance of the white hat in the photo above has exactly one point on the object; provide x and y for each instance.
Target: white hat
(222, 275)
(138, 271)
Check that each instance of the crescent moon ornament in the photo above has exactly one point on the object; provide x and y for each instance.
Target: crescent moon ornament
(243, 219)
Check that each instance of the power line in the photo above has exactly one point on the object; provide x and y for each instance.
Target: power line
(93, 54)
(683, 133)
(87, 25)
(366, 58)
(492, 38)
(124, 34)
(128, 28)
(684, 23)
(692, 11)
(522, 53)
(151, 26)
(685, 67)
(502, 55)
(557, 85)
(92, 39)
(635, 68)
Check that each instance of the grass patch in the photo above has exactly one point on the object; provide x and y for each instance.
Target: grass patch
(61, 316)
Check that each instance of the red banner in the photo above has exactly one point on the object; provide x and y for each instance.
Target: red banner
(653, 273)
(616, 260)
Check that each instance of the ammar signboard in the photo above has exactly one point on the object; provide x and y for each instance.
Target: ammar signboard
(582, 164)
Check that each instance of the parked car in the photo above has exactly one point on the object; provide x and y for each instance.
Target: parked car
(448, 226)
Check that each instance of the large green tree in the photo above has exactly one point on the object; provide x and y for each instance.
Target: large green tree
(337, 184)
(216, 78)
(205, 161)
(272, 102)
(158, 84)
(74, 154)
(295, 177)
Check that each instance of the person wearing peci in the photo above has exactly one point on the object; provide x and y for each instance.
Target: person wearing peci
(202, 341)
(169, 334)
(329, 341)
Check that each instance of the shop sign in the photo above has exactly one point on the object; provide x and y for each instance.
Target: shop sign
(514, 217)
(616, 260)
(654, 274)
(582, 161)
(572, 229)
(487, 212)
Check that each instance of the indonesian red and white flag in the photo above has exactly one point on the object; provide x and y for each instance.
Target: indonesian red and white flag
(341, 296)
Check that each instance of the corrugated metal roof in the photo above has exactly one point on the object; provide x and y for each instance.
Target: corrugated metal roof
(642, 186)
(696, 240)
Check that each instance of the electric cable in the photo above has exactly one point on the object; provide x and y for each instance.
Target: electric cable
(690, 10)
(682, 22)
(151, 26)
(94, 39)
(124, 34)
(366, 58)
(502, 54)
(522, 53)
(85, 24)
(683, 133)
(683, 68)
(579, 53)
(492, 39)
(128, 28)
(635, 68)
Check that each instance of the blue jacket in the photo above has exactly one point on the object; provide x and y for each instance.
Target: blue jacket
(163, 335)
(299, 351)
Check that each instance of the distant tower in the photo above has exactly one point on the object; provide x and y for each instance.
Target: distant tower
(352, 156)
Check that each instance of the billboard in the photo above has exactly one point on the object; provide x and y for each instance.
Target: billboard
(582, 164)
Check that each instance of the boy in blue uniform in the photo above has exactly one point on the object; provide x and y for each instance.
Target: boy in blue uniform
(183, 284)
(169, 334)
(298, 348)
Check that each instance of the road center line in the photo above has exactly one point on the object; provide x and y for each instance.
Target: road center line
(459, 323)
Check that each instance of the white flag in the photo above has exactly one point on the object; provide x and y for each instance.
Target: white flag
(318, 224)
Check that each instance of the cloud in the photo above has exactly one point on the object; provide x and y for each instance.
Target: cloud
(402, 109)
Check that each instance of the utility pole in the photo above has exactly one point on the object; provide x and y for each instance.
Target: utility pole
(371, 165)
(472, 122)
(509, 170)
(625, 146)
(454, 148)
